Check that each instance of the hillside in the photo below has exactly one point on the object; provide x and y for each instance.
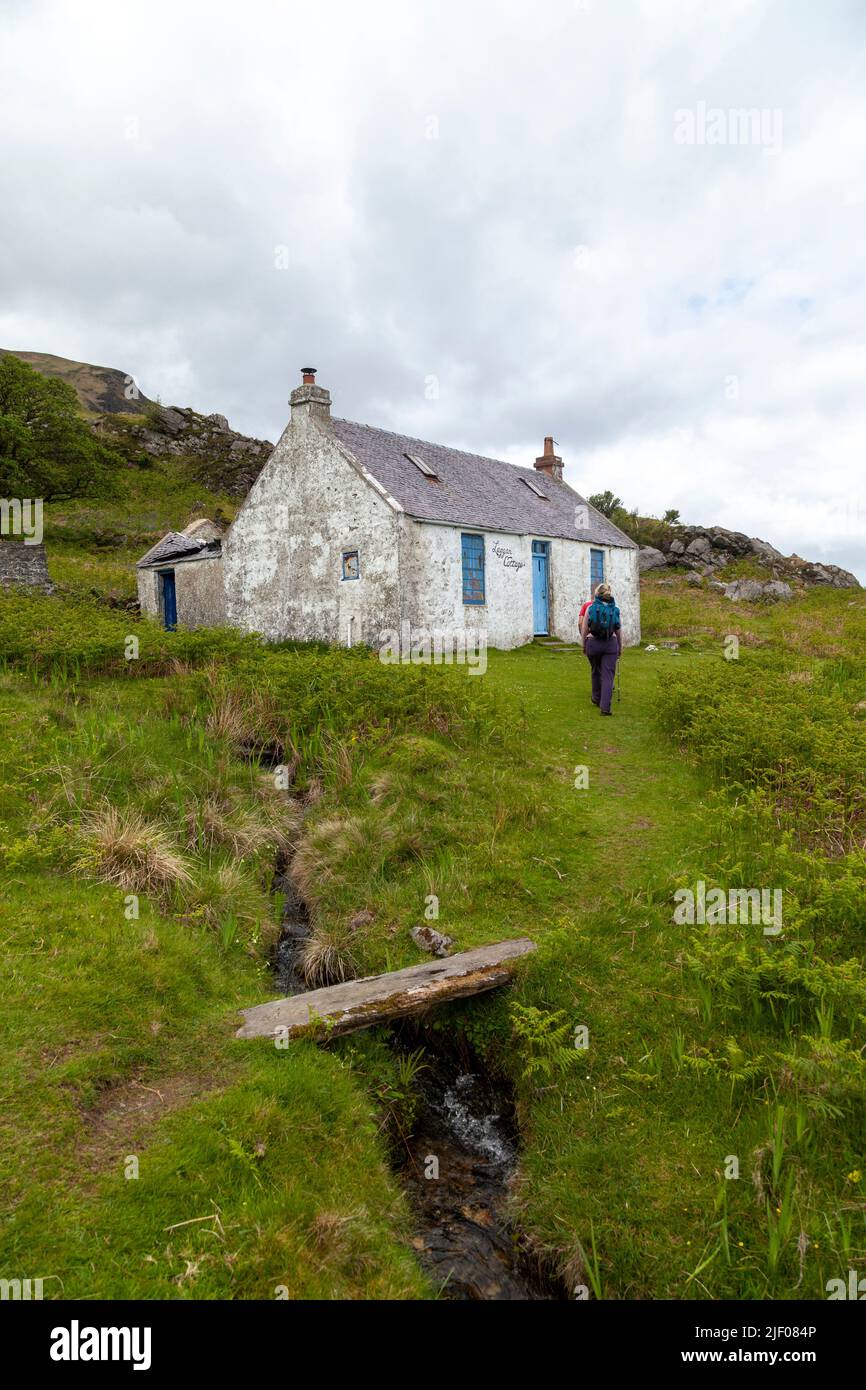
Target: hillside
(261, 1170)
(100, 390)
(138, 428)
(166, 466)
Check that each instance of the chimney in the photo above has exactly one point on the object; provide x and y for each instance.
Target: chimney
(309, 399)
(549, 462)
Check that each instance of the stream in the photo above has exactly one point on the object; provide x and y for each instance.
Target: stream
(458, 1164)
(457, 1172)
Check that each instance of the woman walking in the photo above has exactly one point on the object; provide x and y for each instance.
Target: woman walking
(601, 630)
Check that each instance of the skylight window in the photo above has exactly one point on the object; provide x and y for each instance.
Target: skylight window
(422, 466)
(534, 488)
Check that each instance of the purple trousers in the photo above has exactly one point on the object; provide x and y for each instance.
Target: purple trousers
(602, 660)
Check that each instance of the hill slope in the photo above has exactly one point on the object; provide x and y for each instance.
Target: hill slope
(99, 389)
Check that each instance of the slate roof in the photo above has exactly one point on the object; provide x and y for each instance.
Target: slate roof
(482, 493)
(177, 546)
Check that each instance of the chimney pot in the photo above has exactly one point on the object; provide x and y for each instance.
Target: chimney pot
(549, 462)
(308, 399)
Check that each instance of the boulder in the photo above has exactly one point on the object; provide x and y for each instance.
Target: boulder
(169, 420)
(766, 552)
(717, 559)
(650, 559)
(694, 579)
(841, 579)
(699, 548)
(676, 548)
(429, 939)
(777, 589)
(744, 590)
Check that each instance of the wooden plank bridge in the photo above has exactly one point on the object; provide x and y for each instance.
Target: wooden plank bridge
(379, 998)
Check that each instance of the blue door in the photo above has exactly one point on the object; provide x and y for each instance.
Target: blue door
(539, 588)
(169, 599)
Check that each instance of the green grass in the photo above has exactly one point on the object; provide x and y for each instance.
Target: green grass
(420, 786)
(118, 1044)
(95, 543)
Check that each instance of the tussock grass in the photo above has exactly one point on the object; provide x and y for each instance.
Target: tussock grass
(326, 957)
(231, 822)
(120, 847)
(227, 897)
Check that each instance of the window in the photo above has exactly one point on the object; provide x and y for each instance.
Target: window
(533, 487)
(596, 569)
(423, 467)
(351, 567)
(473, 568)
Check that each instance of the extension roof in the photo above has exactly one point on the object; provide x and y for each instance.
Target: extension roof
(177, 546)
(470, 490)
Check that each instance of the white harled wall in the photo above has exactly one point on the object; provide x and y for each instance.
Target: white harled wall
(433, 571)
(282, 560)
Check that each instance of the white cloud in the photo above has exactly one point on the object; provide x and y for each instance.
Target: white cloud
(429, 173)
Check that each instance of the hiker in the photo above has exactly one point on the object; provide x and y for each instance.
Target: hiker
(601, 630)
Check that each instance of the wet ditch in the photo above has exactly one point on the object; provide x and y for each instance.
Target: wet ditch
(457, 1169)
(458, 1164)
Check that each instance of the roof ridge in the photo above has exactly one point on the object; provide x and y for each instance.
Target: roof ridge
(452, 448)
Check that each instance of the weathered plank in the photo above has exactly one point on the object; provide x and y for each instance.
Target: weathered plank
(377, 998)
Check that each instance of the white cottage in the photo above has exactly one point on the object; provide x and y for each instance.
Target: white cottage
(350, 532)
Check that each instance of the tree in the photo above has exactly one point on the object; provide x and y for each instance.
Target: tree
(606, 503)
(671, 517)
(46, 448)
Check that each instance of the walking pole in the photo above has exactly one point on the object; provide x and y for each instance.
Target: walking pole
(618, 681)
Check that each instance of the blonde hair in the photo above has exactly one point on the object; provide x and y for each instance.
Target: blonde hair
(603, 591)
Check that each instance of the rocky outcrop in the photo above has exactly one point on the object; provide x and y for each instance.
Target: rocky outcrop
(651, 559)
(706, 549)
(222, 459)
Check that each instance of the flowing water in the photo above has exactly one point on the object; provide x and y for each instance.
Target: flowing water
(459, 1165)
(460, 1161)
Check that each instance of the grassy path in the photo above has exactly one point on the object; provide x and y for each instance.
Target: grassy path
(621, 1153)
(633, 820)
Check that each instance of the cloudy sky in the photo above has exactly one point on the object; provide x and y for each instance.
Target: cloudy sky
(483, 222)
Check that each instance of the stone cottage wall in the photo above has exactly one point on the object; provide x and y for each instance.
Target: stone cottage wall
(282, 554)
(198, 587)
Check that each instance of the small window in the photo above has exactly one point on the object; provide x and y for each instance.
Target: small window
(422, 466)
(473, 568)
(351, 567)
(596, 569)
(533, 487)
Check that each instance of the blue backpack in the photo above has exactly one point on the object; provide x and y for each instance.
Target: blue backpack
(602, 618)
